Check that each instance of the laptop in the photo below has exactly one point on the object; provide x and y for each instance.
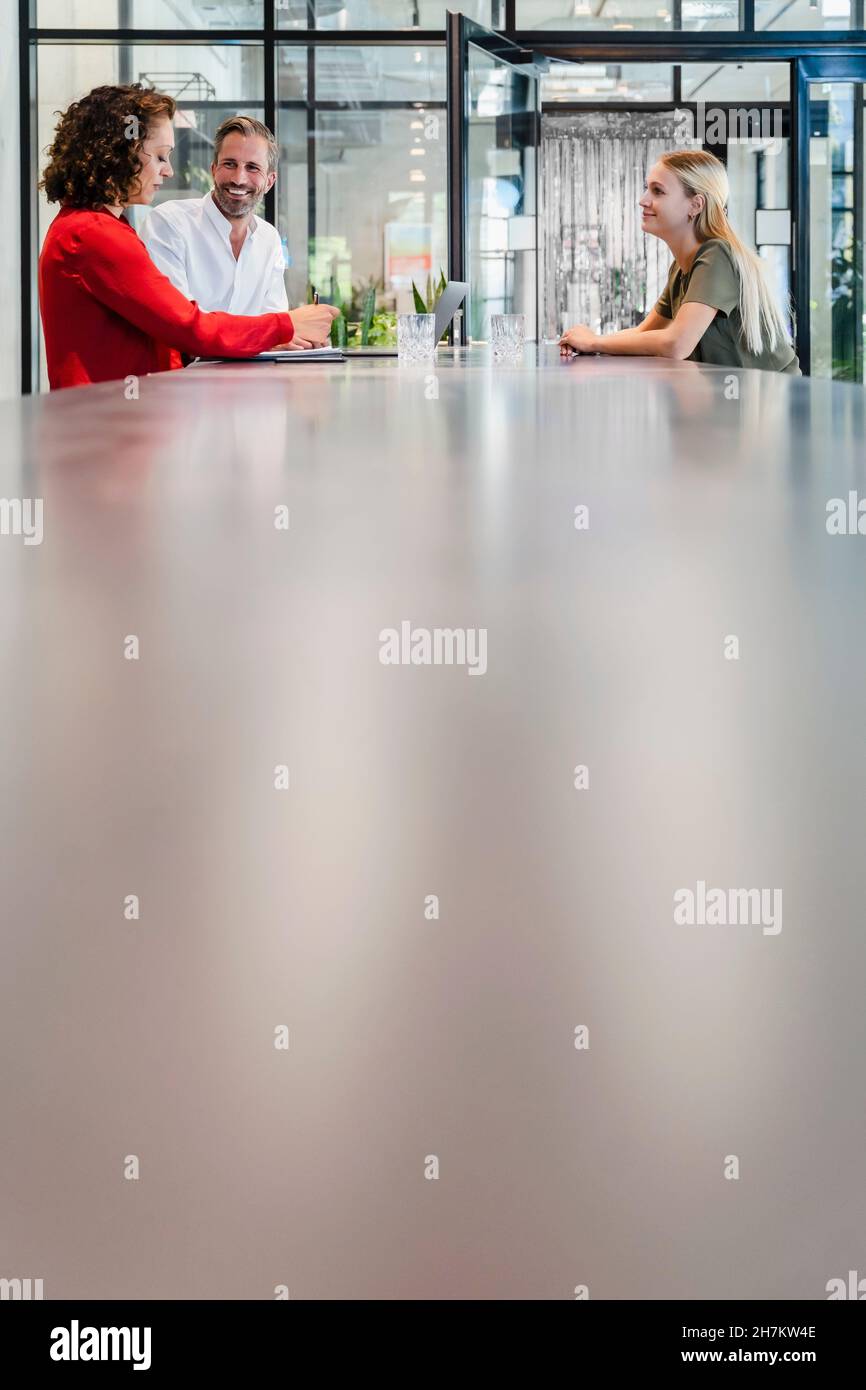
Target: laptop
(450, 300)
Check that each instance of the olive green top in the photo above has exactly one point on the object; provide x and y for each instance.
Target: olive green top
(713, 279)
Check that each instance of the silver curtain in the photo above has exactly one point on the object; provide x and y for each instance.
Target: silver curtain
(598, 266)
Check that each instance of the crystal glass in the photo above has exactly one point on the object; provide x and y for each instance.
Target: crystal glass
(507, 333)
(416, 339)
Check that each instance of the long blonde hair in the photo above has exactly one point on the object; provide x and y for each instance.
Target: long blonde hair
(700, 172)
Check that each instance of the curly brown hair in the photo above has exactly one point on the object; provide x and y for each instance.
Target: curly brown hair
(95, 157)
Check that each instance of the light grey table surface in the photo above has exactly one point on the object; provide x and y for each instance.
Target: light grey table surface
(447, 499)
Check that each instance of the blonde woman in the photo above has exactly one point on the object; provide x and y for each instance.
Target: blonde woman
(717, 306)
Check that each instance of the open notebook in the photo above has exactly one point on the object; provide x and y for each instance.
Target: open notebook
(327, 354)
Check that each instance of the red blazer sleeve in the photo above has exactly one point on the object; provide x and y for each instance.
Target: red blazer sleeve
(113, 264)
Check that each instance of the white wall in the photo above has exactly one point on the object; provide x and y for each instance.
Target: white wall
(10, 236)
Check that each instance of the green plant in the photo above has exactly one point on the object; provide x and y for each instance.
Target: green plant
(359, 324)
(338, 327)
(360, 293)
(367, 315)
(426, 304)
(382, 331)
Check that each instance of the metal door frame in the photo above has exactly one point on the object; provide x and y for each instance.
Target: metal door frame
(460, 33)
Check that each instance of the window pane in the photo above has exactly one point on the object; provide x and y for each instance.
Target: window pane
(751, 137)
(594, 14)
(836, 251)
(384, 14)
(353, 75)
(292, 195)
(599, 82)
(208, 83)
(758, 179)
(736, 82)
(502, 151)
(376, 213)
(394, 73)
(626, 14)
(783, 14)
(292, 73)
(149, 14)
(710, 14)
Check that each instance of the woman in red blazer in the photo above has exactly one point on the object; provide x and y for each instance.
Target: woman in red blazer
(107, 312)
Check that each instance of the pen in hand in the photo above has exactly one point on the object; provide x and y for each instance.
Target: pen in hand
(312, 329)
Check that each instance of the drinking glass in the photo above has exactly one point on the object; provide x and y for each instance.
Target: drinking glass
(507, 333)
(416, 339)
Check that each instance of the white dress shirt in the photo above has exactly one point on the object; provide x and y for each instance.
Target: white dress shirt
(189, 239)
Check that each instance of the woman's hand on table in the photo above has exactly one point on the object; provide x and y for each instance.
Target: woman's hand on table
(312, 325)
(577, 339)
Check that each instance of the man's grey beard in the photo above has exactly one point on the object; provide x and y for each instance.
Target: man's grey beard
(228, 208)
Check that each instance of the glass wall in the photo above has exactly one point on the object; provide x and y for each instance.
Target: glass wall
(383, 14)
(638, 15)
(804, 14)
(599, 267)
(836, 223)
(736, 82)
(695, 15)
(502, 152)
(743, 113)
(149, 14)
(361, 198)
(361, 194)
(208, 83)
(248, 14)
(605, 82)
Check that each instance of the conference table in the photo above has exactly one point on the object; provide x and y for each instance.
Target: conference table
(432, 833)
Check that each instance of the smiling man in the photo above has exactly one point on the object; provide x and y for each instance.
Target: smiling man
(214, 249)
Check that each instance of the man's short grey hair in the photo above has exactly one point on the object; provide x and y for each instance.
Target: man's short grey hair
(247, 125)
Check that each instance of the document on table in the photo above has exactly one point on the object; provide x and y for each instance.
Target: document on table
(327, 354)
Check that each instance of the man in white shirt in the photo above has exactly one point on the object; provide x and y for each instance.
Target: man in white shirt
(214, 249)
